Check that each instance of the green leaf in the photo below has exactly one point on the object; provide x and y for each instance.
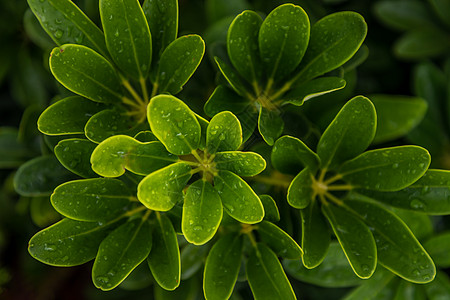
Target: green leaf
(355, 238)
(127, 36)
(439, 287)
(396, 115)
(164, 259)
(192, 259)
(360, 56)
(174, 124)
(419, 223)
(67, 116)
(290, 155)
(403, 15)
(236, 82)
(162, 189)
(271, 212)
(313, 88)
(397, 248)
(350, 133)
(248, 120)
(381, 286)
(65, 23)
(163, 33)
(39, 176)
(35, 33)
(334, 40)
(279, 241)
(110, 122)
(68, 242)
(408, 290)
(425, 195)
(283, 39)
(145, 137)
(334, 271)
(222, 267)
(300, 192)
(120, 152)
(86, 73)
(240, 163)
(203, 128)
(242, 46)
(438, 247)
(223, 99)
(442, 9)
(224, 133)
(266, 277)
(75, 155)
(270, 124)
(91, 200)
(42, 212)
(315, 235)
(238, 198)
(388, 169)
(12, 152)
(120, 252)
(202, 212)
(178, 62)
(422, 43)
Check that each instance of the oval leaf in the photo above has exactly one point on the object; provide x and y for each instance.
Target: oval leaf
(233, 78)
(223, 99)
(388, 169)
(202, 212)
(222, 267)
(120, 252)
(127, 36)
(162, 189)
(300, 192)
(238, 198)
(174, 124)
(74, 155)
(86, 73)
(314, 88)
(224, 133)
(91, 199)
(240, 163)
(279, 241)
(271, 212)
(422, 43)
(270, 124)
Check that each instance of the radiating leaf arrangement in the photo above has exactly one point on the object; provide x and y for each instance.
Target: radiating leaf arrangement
(144, 183)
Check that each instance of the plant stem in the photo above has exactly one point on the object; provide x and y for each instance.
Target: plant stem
(154, 90)
(340, 187)
(272, 181)
(332, 179)
(144, 89)
(135, 95)
(334, 199)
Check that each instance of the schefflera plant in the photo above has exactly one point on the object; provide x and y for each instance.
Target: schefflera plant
(116, 71)
(278, 61)
(186, 148)
(328, 188)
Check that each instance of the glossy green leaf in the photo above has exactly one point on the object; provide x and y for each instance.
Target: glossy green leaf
(350, 133)
(13, 153)
(233, 78)
(271, 212)
(248, 120)
(68, 242)
(283, 39)
(419, 223)
(313, 88)
(202, 212)
(163, 33)
(279, 241)
(127, 36)
(222, 267)
(203, 127)
(145, 136)
(315, 235)
(164, 259)
(355, 238)
(91, 200)
(65, 23)
(397, 248)
(192, 260)
(442, 9)
(240, 163)
(334, 271)
(438, 247)
(266, 276)
(242, 46)
(174, 124)
(360, 56)
(439, 288)
(39, 176)
(430, 194)
(290, 155)
(86, 73)
(422, 43)
(380, 287)
(178, 62)
(223, 99)
(75, 154)
(42, 212)
(35, 32)
(388, 169)
(162, 189)
(120, 152)
(238, 198)
(300, 192)
(408, 290)
(120, 252)
(224, 133)
(67, 116)
(396, 115)
(110, 122)
(270, 124)
(334, 40)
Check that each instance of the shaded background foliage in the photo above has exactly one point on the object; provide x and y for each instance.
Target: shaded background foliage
(27, 87)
